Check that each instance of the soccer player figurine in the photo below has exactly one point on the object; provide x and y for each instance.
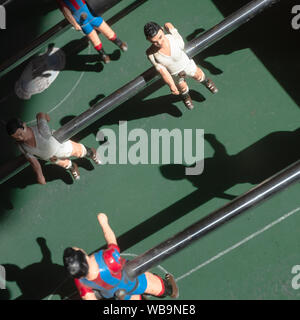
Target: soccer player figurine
(37, 142)
(100, 276)
(169, 58)
(79, 15)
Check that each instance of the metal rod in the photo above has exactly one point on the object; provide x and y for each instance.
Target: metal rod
(229, 24)
(237, 206)
(139, 83)
(133, 87)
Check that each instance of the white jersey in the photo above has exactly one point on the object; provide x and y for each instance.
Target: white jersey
(177, 61)
(46, 145)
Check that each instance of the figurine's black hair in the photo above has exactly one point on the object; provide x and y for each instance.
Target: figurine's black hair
(75, 263)
(13, 125)
(151, 29)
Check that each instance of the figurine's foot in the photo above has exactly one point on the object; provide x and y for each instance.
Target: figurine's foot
(187, 100)
(75, 171)
(105, 58)
(209, 84)
(94, 157)
(123, 46)
(175, 291)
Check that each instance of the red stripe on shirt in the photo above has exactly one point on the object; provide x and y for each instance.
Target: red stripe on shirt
(75, 4)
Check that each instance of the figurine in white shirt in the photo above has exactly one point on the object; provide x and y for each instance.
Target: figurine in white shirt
(169, 58)
(36, 142)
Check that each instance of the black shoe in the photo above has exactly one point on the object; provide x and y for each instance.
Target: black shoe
(123, 46)
(94, 157)
(74, 171)
(210, 85)
(104, 57)
(170, 279)
(188, 102)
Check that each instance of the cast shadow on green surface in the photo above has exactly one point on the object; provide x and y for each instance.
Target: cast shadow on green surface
(24, 20)
(85, 62)
(221, 172)
(136, 108)
(5, 294)
(201, 60)
(42, 279)
(27, 177)
(271, 38)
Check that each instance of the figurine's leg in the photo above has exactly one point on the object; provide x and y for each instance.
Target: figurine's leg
(68, 165)
(159, 287)
(136, 297)
(94, 38)
(184, 90)
(107, 31)
(80, 151)
(208, 83)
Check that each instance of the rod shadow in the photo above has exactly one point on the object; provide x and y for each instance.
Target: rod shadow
(41, 279)
(200, 59)
(135, 108)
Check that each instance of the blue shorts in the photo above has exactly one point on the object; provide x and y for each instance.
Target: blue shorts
(88, 24)
(136, 287)
(140, 288)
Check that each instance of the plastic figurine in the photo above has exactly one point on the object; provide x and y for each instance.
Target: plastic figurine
(169, 58)
(37, 142)
(79, 15)
(100, 276)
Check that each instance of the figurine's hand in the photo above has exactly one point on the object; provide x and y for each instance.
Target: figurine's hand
(77, 27)
(174, 90)
(102, 218)
(41, 179)
(43, 115)
(168, 26)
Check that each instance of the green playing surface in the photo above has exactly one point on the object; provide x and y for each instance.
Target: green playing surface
(251, 132)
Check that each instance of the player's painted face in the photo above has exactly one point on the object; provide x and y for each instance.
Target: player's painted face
(158, 39)
(20, 134)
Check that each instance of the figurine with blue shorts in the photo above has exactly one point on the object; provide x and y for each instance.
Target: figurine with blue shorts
(79, 15)
(101, 276)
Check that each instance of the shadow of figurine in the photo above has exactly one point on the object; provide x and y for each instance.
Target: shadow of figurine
(221, 172)
(26, 177)
(134, 109)
(252, 165)
(4, 294)
(85, 62)
(42, 279)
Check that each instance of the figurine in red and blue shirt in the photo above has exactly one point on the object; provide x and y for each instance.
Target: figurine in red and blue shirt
(79, 15)
(100, 276)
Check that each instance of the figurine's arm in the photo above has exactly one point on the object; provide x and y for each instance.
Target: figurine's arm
(174, 32)
(68, 15)
(36, 166)
(89, 296)
(42, 124)
(86, 293)
(109, 235)
(164, 74)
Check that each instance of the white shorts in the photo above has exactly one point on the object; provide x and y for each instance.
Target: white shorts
(65, 150)
(190, 70)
